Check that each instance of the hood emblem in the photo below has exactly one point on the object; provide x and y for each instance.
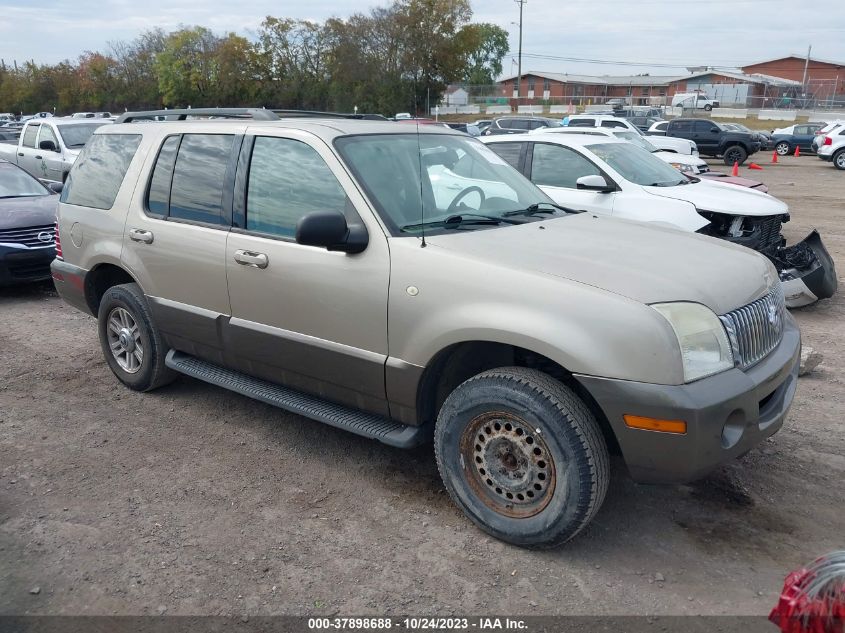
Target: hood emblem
(45, 236)
(774, 317)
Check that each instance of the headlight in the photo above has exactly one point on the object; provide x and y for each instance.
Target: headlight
(684, 169)
(705, 349)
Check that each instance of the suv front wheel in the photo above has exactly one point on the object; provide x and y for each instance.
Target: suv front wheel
(522, 456)
(735, 154)
(132, 345)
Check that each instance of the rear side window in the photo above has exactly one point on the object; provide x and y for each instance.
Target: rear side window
(29, 135)
(582, 123)
(196, 193)
(510, 152)
(99, 171)
(681, 126)
(613, 124)
(287, 180)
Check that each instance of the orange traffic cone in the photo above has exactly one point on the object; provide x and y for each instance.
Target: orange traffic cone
(755, 166)
(774, 158)
(735, 170)
(797, 151)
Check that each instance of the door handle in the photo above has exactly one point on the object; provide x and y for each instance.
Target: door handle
(140, 235)
(38, 157)
(20, 153)
(251, 258)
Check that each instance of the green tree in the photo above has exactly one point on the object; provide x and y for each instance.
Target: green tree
(486, 46)
(186, 68)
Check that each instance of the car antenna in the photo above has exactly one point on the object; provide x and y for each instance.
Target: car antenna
(422, 201)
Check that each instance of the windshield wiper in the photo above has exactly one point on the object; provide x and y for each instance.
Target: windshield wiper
(535, 208)
(462, 219)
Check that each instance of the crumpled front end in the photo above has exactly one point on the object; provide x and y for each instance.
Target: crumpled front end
(806, 270)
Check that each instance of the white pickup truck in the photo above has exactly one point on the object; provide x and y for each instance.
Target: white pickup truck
(47, 148)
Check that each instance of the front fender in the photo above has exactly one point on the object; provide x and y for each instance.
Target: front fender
(437, 302)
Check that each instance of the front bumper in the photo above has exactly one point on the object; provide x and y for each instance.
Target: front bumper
(806, 271)
(20, 265)
(70, 284)
(726, 414)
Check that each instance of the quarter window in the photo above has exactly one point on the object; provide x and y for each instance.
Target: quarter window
(30, 135)
(287, 180)
(557, 166)
(100, 169)
(158, 198)
(199, 178)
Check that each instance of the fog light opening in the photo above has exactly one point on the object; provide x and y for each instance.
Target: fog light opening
(733, 429)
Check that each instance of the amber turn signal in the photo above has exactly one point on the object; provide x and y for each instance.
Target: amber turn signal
(652, 424)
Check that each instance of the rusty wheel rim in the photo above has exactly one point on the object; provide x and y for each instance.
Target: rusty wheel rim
(508, 464)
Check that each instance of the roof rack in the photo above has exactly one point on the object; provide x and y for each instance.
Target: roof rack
(258, 114)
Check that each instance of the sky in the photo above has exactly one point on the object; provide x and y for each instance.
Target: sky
(660, 37)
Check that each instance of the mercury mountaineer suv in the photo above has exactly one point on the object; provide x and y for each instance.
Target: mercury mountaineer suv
(339, 270)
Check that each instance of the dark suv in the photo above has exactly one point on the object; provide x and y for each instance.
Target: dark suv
(715, 140)
(519, 124)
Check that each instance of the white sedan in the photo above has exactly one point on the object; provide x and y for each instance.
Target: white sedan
(685, 163)
(609, 176)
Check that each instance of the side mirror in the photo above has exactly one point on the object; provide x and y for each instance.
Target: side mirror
(56, 187)
(329, 230)
(48, 146)
(714, 130)
(593, 183)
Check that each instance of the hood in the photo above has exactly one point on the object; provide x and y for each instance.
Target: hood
(720, 197)
(18, 213)
(646, 263)
(681, 159)
(682, 145)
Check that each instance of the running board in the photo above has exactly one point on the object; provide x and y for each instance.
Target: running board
(367, 424)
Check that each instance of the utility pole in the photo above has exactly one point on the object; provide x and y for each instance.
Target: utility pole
(521, 3)
(806, 66)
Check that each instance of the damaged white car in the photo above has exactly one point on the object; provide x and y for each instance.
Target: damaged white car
(613, 177)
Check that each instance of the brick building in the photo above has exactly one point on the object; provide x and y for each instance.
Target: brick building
(727, 87)
(825, 78)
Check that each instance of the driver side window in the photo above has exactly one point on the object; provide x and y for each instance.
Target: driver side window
(557, 166)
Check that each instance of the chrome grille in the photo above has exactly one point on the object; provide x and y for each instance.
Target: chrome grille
(756, 329)
(29, 236)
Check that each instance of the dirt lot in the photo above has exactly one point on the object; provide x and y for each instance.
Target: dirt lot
(192, 500)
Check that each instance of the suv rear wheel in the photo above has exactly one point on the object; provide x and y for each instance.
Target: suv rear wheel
(839, 159)
(131, 343)
(522, 456)
(735, 154)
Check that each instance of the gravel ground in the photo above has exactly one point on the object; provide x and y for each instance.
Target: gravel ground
(193, 500)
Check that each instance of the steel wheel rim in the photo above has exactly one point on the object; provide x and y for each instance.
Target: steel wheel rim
(124, 337)
(782, 149)
(508, 464)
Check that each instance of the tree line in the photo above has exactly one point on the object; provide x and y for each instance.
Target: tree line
(392, 59)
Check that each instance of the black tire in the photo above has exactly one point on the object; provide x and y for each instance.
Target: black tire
(151, 372)
(735, 154)
(552, 507)
(708, 108)
(839, 159)
(782, 148)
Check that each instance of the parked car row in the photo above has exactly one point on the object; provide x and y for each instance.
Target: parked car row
(417, 286)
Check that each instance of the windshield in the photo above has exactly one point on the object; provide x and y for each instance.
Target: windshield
(430, 178)
(16, 183)
(636, 139)
(75, 136)
(637, 165)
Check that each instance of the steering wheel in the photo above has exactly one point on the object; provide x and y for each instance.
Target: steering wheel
(473, 189)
